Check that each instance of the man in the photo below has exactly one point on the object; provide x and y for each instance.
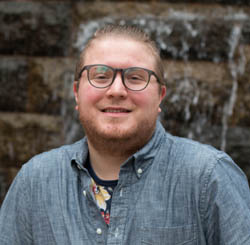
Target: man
(127, 181)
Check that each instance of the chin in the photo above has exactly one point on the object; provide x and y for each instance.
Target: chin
(118, 132)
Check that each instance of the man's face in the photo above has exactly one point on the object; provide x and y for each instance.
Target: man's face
(116, 113)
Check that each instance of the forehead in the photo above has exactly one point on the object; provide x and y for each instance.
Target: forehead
(119, 52)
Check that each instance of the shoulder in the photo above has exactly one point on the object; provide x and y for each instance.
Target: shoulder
(193, 152)
(55, 159)
(200, 161)
(183, 155)
(203, 165)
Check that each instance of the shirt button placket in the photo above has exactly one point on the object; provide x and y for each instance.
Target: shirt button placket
(139, 171)
(99, 231)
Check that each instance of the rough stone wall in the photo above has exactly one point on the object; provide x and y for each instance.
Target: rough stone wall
(206, 51)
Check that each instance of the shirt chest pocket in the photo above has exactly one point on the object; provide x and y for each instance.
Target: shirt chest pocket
(180, 235)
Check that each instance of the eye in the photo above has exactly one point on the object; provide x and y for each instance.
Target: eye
(101, 76)
(136, 77)
(100, 73)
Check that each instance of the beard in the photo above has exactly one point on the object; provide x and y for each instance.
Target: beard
(114, 138)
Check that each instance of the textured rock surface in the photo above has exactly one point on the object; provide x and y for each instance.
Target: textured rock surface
(50, 83)
(6, 176)
(35, 28)
(13, 84)
(206, 51)
(181, 31)
(25, 134)
(196, 106)
(233, 2)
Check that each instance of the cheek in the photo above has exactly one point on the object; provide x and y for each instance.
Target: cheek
(89, 95)
(147, 101)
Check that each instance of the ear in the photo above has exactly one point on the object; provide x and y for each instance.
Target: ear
(75, 89)
(162, 95)
(163, 92)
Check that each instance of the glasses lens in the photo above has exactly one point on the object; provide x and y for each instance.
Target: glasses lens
(100, 76)
(136, 78)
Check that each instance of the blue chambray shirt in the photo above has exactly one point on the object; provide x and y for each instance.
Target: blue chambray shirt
(173, 191)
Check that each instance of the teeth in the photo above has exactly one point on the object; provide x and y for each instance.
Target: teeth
(115, 110)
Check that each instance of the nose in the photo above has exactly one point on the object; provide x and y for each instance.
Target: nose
(117, 88)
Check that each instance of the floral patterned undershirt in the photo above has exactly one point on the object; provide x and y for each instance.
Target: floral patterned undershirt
(102, 190)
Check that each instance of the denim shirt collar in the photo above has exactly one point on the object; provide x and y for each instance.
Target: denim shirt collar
(139, 162)
(80, 154)
(145, 156)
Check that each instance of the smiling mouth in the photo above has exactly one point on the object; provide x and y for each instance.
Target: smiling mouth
(111, 110)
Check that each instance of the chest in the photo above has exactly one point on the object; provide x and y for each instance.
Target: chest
(152, 210)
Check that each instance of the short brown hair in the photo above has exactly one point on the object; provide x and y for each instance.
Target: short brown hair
(132, 32)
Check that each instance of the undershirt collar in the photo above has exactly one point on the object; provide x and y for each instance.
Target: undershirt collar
(98, 181)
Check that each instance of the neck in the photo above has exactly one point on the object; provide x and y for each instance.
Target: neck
(105, 163)
(107, 154)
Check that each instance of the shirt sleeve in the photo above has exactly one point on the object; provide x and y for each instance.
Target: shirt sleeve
(227, 205)
(15, 213)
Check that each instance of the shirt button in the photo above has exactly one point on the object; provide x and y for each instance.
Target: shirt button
(99, 231)
(139, 171)
(84, 193)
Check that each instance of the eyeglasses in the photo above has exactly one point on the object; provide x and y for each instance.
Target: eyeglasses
(133, 78)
